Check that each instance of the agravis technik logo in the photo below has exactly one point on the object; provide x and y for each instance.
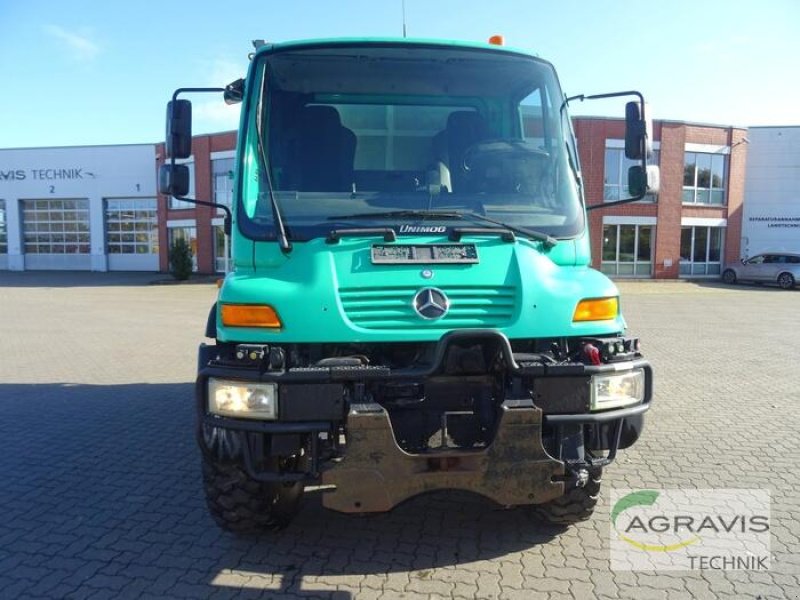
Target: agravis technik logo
(722, 529)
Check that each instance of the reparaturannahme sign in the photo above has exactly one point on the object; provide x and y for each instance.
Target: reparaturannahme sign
(778, 221)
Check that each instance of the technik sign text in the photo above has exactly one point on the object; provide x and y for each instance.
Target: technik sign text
(45, 174)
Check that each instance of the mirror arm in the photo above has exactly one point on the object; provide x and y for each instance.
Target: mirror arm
(228, 216)
(616, 202)
(179, 91)
(583, 97)
(188, 90)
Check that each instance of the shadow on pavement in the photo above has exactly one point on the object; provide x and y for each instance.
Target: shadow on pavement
(67, 279)
(741, 286)
(102, 489)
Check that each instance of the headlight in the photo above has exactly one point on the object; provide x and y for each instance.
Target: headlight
(615, 390)
(242, 399)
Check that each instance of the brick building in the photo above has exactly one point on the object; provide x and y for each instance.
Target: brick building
(694, 226)
(211, 178)
(690, 231)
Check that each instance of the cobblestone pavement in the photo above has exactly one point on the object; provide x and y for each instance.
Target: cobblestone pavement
(101, 498)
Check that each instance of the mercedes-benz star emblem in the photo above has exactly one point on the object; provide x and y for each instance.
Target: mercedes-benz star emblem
(431, 303)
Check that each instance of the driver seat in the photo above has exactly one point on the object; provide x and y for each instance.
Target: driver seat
(324, 151)
(464, 128)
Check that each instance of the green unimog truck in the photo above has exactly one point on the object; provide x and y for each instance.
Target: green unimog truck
(411, 306)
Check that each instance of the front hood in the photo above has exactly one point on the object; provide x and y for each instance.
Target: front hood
(335, 293)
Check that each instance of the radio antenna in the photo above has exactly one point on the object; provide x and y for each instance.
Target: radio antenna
(404, 17)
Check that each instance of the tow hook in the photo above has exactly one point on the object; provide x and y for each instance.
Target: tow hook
(581, 478)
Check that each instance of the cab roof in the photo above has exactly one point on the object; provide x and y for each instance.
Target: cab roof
(388, 41)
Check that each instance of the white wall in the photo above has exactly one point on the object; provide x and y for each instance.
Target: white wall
(772, 191)
(93, 172)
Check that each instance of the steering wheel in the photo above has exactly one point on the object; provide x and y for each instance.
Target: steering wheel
(505, 165)
(501, 148)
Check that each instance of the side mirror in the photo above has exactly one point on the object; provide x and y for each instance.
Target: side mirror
(744, 261)
(641, 182)
(234, 92)
(173, 180)
(179, 129)
(638, 133)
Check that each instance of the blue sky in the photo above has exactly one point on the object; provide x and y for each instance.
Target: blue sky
(89, 72)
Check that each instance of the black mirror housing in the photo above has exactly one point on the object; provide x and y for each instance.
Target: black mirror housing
(234, 92)
(638, 133)
(173, 180)
(641, 181)
(179, 129)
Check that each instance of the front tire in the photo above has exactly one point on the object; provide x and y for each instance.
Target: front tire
(576, 505)
(243, 505)
(786, 281)
(729, 276)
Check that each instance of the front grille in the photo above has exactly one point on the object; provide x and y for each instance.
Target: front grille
(392, 307)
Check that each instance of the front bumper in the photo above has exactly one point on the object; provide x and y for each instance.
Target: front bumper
(375, 474)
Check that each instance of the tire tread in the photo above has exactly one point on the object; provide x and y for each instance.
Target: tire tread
(242, 505)
(575, 506)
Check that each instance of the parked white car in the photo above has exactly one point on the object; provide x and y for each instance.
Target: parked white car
(782, 268)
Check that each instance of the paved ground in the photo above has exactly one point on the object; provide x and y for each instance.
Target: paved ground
(100, 491)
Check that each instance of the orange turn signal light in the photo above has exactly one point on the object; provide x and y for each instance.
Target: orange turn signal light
(497, 40)
(249, 315)
(596, 309)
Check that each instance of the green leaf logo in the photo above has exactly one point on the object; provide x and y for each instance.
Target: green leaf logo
(644, 498)
(640, 498)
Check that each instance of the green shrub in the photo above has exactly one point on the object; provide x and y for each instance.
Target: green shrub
(180, 259)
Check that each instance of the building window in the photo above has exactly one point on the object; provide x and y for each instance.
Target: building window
(222, 176)
(616, 175)
(704, 178)
(222, 250)
(175, 204)
(131, 226)
(3, 228)
(627, 250)
(186, 233)
(701, 250)
(56, 226)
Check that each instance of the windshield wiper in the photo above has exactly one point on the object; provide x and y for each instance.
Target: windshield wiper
(401, 214)
(548, 240)
(283, 239)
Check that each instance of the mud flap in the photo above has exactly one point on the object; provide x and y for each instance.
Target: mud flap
(375, 474)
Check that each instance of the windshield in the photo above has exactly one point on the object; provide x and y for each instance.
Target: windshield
(349, 136)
